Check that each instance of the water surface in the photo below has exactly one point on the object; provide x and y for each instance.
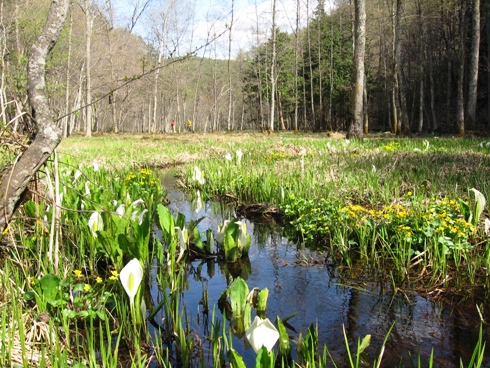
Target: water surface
(300, 281)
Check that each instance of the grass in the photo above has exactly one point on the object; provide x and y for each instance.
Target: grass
(398, 204)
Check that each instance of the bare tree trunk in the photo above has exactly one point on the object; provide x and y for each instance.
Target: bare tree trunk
(460, 88)
(296, 62)
(230, 90)
(154, 116)
(394, 94)
(89, 21)
(448, 90)
(320, 77)
(473, 64)
(356, 126)
(3, 52)
(273, 67)
(365, 110)
(48, 136)
(113, 95)
(330, 91)
(435, 122)
(66, 120)
(279, 108)
(405, 124)
(488, 63)
(310, 63)
(421, 68)
(215, 91)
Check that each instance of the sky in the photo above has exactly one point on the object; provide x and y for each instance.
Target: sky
(252, 22)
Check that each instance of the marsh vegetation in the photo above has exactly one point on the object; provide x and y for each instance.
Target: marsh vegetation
(405, 213)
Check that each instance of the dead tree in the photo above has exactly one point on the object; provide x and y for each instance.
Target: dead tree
(47, 135)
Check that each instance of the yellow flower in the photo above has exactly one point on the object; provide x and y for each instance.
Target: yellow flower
(78, 273)
(6, 230)
(114, 275)
(86, 287)
(98, 280)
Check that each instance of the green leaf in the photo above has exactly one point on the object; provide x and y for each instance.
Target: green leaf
(238, 296)
(264, 358)
(30, 295)
(49, 287)
(180, 220)
(167, 223)
(262, 299)
(32, 210)
(364, 344)
(231, 249)
(236, 361)
(284, 352)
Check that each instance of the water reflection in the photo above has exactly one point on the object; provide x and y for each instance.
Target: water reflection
(324, 296)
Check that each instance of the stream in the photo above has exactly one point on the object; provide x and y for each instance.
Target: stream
(300, 281)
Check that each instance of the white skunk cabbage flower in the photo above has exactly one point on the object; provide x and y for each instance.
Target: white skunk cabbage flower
(138, 216)
(487, 226)
(183, 236)
(228, 157)
(78, 173)
(95, 223)
(480, 205)
(141, 216)
(220, 236)
(137, 202)
(87, 189)
(239, 155)
(131, 276)
(197, 176)
(242, 234)
(95, 165)
(198, 202)
(121, 210)
(262, 333)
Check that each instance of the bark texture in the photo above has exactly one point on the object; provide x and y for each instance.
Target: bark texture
(356, 127)
(48, 135)
(473, 62)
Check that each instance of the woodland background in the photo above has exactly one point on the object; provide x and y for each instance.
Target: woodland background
(427, 66)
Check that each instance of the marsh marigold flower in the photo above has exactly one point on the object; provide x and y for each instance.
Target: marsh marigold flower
(114, 275)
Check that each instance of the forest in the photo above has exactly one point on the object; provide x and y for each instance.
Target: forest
(426, 68)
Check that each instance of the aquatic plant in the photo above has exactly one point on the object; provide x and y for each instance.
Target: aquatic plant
(262, 333)
(233, 238)
(131, 276)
